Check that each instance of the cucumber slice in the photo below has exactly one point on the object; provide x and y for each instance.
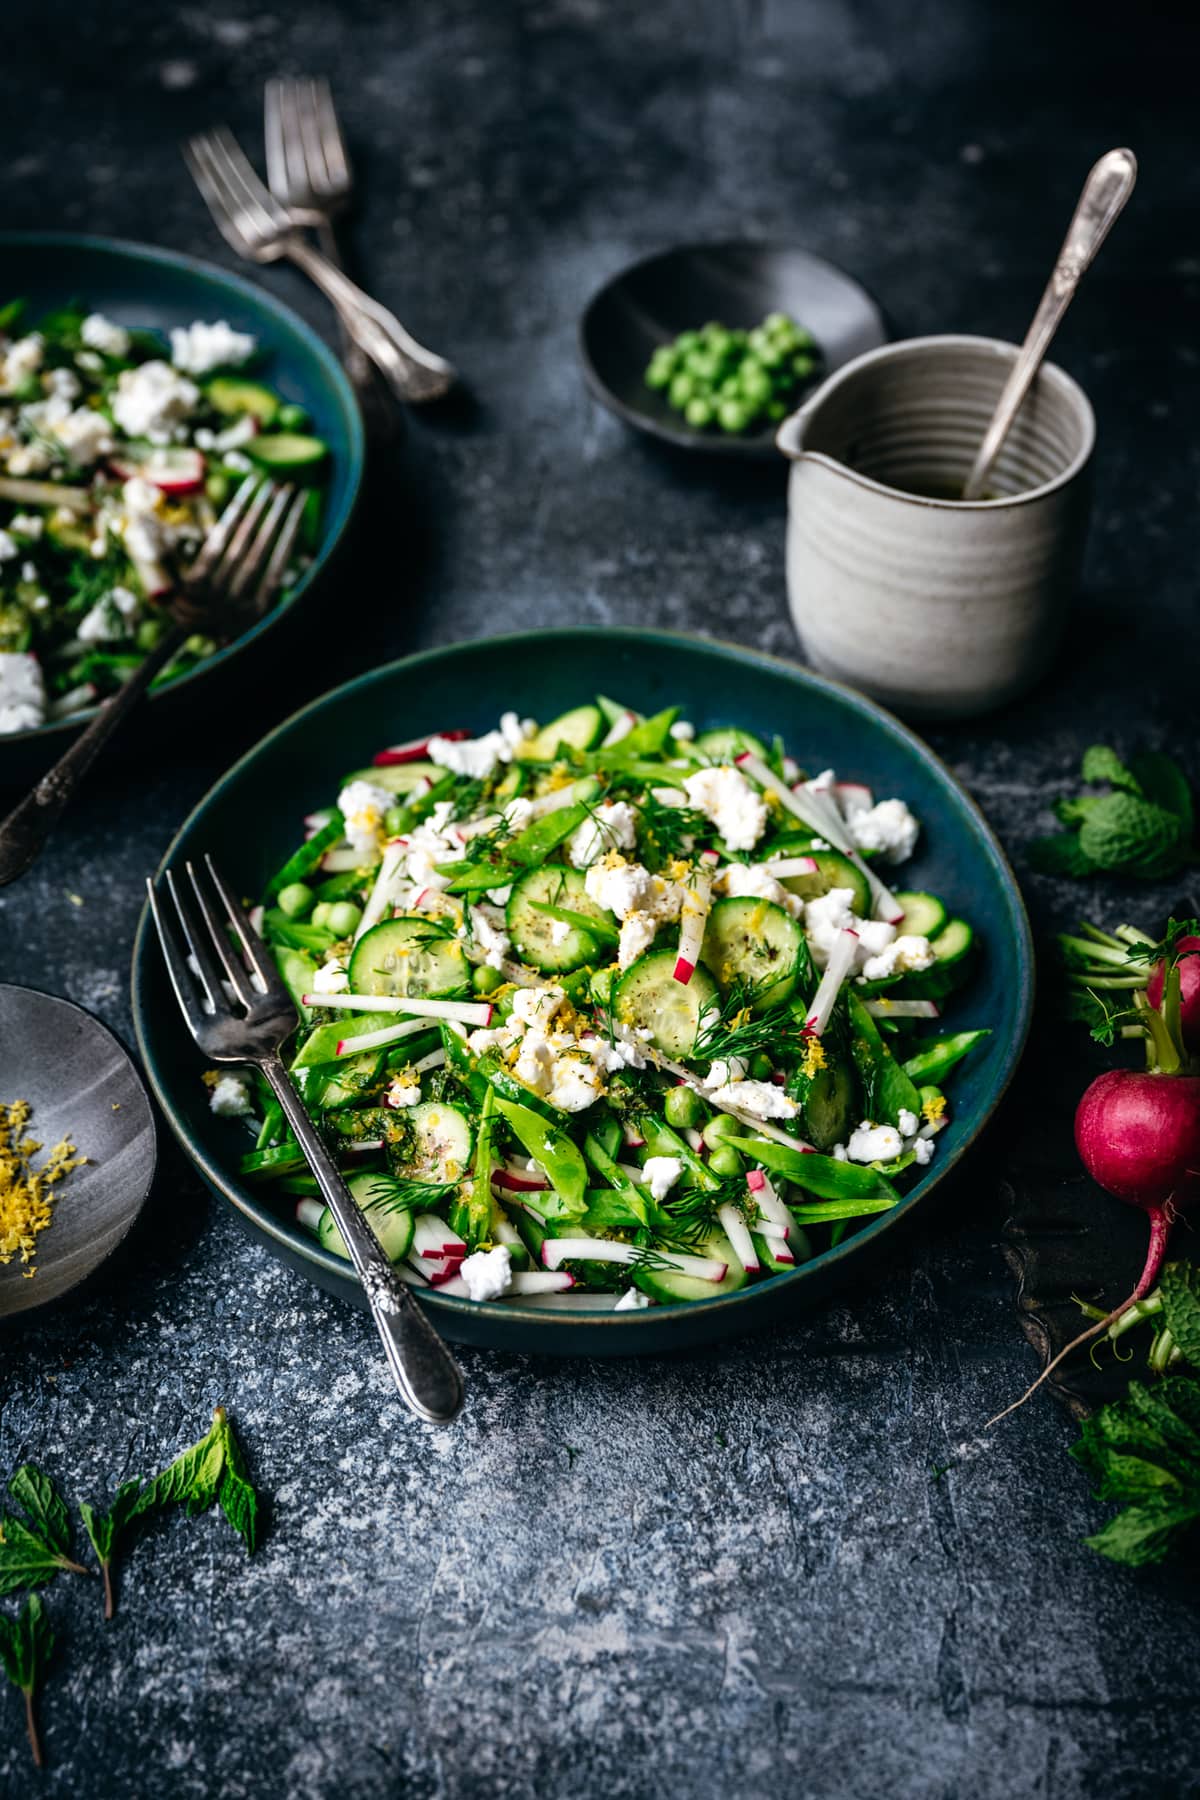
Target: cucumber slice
(287, 450)
(754, 942)
(727, 742)
(833, 871)
(924, 915)
(579, 729)
(393, 1225)
(510, 784)
(533, 933)
(231, 395)
(953, 942)
(397, 778)
(439, 1148)
(408, 957)
(830, 1108)
(648, 998)
(668, 1286)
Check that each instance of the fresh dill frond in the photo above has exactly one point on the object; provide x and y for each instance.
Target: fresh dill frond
(665, 832)
(731, 1028)
(389, 1193)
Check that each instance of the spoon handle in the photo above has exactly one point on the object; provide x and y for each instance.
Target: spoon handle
(1104, 194)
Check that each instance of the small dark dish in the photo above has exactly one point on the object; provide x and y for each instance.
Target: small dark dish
(652, 301)
(81, 1085)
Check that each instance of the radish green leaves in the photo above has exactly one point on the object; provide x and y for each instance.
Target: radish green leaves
(1143, 825)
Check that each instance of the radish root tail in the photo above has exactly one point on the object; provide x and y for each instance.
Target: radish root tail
(1160, 1229)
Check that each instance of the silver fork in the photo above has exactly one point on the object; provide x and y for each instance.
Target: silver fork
(239, 1011)
(240, 567)
(252, 222)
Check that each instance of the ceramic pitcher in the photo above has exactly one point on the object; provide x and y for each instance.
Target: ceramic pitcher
(931, 605)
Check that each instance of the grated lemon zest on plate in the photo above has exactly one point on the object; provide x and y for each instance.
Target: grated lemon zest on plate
(26, 1193)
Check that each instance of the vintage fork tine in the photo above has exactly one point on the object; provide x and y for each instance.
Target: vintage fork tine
(262, 965)
(276, 568)
(337, 159)
(245, 184)
(217, 541)
(257, 554)
(275, 139)
(197, 155)
(310, 137)
(220, 943)
(206, 970)
(175, 957)
(221, 577)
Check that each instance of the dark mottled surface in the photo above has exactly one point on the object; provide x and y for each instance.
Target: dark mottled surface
(731, 1574)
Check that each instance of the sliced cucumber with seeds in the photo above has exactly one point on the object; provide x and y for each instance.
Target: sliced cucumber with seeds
(437, 1146)
(953, 942)
(232, 396)
(538, 938)
(667, 1285)
(580, 729)
(392, 1225)
(924, 915)
(727, 742)
(833, 870)
(754, 942)
(648, 998)
(287, 450)
(397, 778)
(408, 957)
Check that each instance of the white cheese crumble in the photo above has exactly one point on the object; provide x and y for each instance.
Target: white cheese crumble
(331, 978)
(611, 826)
(230, 1098)
(487, 1273)
(887, 827)
(874, 1143)
(762, 1098)
(755, 881)
(63, 382)
(84, 435)
(661, 1173)
(637, 935)
(830, 914)
(903, 956)
(614, 1055)
(907, 1122)
(560, 931)
(922, 1150)
(623, 887)
(683, 731)
(8, 549)
(30, 525)
(515, 730)
(736, 809)
(632, 1300)
(362, 804)
(151, 399)
(22, 691)
(474, 757)
(403, 1090)
(494, 942)
(99, 333)
(537, 1005)
(200, 348)
(21, 360)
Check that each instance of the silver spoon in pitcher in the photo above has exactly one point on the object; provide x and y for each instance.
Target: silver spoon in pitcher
(1104, 194)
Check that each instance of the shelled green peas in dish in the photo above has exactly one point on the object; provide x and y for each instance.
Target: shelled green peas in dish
(606, 1013)
(118, 449)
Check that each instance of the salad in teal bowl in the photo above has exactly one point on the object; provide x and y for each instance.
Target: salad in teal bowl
(138, 391)
(633, 1018)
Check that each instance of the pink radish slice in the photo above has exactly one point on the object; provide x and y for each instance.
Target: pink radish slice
(541, 1281)
(72, 701)
(173, 469)
(371, 1040)
(416, 750)
(734, 1227)
(816, 810)
(853, 797)
(841, 961)
(903, 1009)
(340, 862)
(693, 916)
(620, 728)
(556, 1251)
(383, 892)
(632, 1138)
(433, 1237)
(435, 1060)
(44, 493)
(466, 1012)
(786, 866)
(309, 1213)
(694, 1140)
(256, 916)
(519, 1181)
(363, 1147)
(768, 1200)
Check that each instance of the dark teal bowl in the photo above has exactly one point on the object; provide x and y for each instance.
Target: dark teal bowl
(252, 819)
(156, 289)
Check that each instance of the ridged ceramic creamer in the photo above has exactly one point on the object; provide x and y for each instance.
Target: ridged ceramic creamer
(935, 606)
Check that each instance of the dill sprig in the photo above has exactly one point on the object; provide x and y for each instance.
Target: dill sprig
(731, 1028)
(666, 832)
(388, 1193)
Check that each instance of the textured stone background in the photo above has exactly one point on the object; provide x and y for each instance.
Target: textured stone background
(730, 1574)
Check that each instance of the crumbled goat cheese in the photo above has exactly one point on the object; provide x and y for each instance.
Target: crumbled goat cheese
(762, 1098)
(494, 943)
(682, 731)
(87, 359)
(21, 360)
(754, 881)
(99, 333)
(560, 931)
(200, 348)
(151, 399)
(517, 813)
(907, 1122)
(475, 757)
(537, 1005)
(63, 382)
(831, 913)
(30, 525)
(576, 1084)
(623, 887)
(611, 826)
(874, 1143)
(8, 549)
(230, 1098)
(29, 459)
(331, 978)
(22, 691)
(432, 843)
(84, 435)
(610, 1057)
(903, 956)
(487, 1273)
(403, 1090)
(242, 431)
(637, 935)
(632, 1300)
(736, 809)
(515, 730)
(725, 1070)
(110, 618)
(661, 1173)
(888, 827)
(362, 804)
(480, 1042)
(923, 1151)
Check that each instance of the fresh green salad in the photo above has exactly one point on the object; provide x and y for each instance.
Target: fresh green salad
(606, 1013)
(118, 450)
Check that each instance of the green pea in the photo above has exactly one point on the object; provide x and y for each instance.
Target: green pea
(291, 418)
(698, 412)
(702, 364)
(295, 899)
(777, 321)
(730, 388)
(771, 356)
(149, 633)
(726, 1161)
(719, 341)
(803, 366)
(733, 416)
(687, 340)
(684, 1108)
(486, 980)
(658, 375)
(344, 918)
(217, 487)
(683, 386)
(393, 821)
(722, 1125)
(777, 410)
(320, 914)
(199, 646)
(755, 385)
(761, 1066)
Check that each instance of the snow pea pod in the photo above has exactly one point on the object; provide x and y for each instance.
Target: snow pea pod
(887, 1089)
(551, 1149)
(823, 1175)
(303, 861)
(935, 1059)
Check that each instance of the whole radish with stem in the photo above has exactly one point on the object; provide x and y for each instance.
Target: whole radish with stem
(1138, 1130)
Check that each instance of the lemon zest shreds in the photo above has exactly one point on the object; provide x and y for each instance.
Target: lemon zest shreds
(26, 1192)
(934, 1107)
(814, 1055)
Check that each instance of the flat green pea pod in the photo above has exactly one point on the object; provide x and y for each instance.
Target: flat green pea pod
(307, 857)
(633, 1195)
(475, 1213)
(888, 1090)
(935, 1059)
(648, 738)
(821, 1175)
(661, 1140)
(551, 1149)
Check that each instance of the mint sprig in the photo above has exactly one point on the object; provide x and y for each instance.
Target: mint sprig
(26, 1645)
(35, 1546)
(1143, 826)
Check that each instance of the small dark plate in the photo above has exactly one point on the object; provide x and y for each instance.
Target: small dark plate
(652, 301)
(81, 1085)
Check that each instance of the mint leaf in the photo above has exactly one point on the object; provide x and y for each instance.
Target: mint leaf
(27, 1558)
(34, 1491)
(26, 1645)
(1145, 1451)
(1163, 781)
(1180, 1287)
(1062, 855)
(191, 1480)
(1074, 812)
(1123, 832)
(1102, 764)
(236, 1494)
(104, 1529)
(1146, 1533)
